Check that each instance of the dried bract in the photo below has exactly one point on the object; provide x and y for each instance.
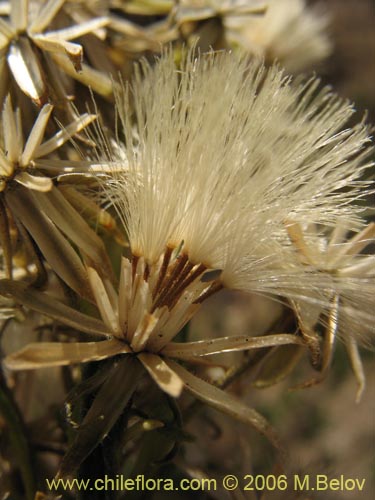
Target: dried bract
(290, 32)
(29, 45)
(32, 206)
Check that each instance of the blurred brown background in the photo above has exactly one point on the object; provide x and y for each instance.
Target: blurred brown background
(351, 68)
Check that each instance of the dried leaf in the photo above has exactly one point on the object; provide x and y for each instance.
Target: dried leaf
(89, 385)
(296, 236)
(365, 267)
(53, 44)
(6, 244)
(87, 207)
(78, 30)
(98, 81)
(11, 144)
(56, 166)
(357, 243)
(6, 167)
(19, 14)
(357, 366)
(4, 80)
(6, 30)
(146, 7)
(144, 330)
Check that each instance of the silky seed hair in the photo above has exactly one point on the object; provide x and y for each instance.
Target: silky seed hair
(222, 155)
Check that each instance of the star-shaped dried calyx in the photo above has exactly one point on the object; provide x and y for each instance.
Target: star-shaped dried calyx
(19, 160)
(33, 206)
(352, 299)
(139, 321)
(28, 45)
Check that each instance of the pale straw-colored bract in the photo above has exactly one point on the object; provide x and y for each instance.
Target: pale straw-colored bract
(28, 43)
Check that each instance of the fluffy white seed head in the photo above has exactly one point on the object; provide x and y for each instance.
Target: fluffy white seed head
(224, 156)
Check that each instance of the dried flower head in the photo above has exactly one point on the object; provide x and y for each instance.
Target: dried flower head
(33, 207)
(29, 46)
(290, 32)
(351, 304)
